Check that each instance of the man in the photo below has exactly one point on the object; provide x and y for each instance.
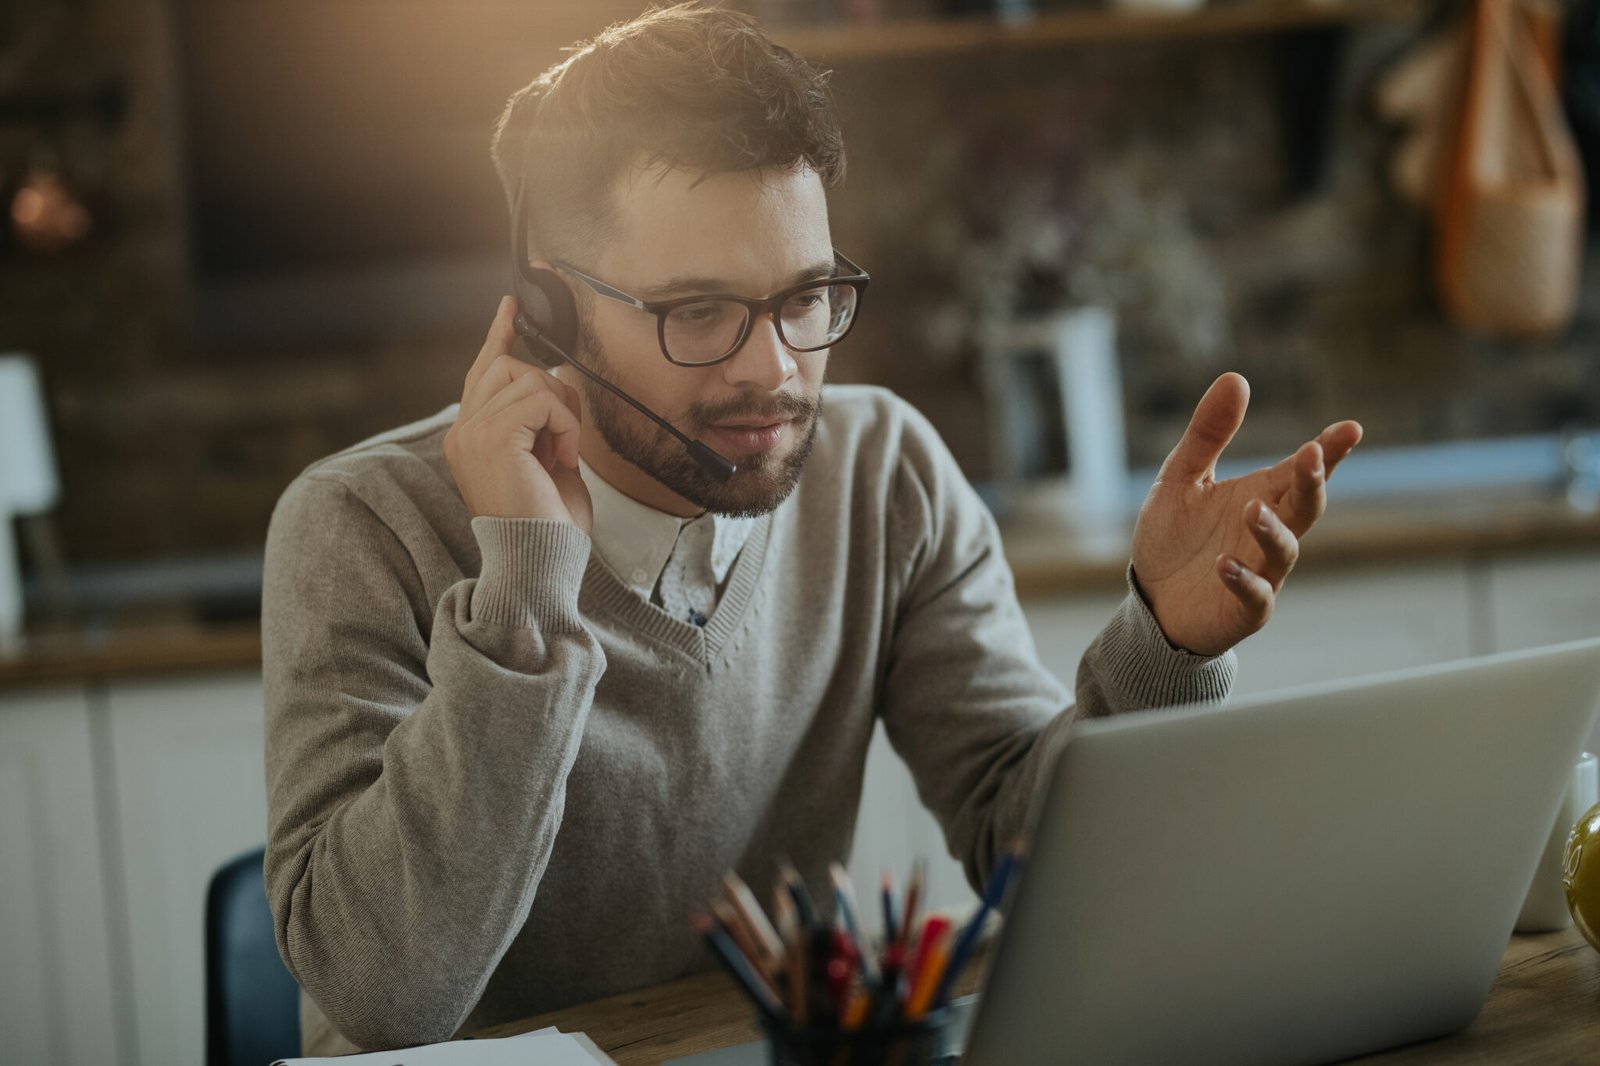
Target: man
(535, 680)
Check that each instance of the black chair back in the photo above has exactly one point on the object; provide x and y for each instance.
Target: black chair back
(252, 1004)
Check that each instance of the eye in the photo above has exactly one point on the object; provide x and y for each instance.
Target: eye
(811, 300)
(705, 314)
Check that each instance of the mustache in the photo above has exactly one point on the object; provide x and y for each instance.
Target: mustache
(778, 408)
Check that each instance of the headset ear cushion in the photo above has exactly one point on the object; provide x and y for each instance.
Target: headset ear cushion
(553, 309)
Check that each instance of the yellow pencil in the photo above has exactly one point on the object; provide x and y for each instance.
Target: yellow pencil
(932, 969)
(855, 1010)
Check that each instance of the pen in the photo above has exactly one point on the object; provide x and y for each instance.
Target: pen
(738, 966)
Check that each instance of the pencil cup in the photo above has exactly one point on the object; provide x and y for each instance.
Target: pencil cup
(928, 1041)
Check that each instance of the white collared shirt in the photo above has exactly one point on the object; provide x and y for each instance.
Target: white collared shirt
(677, 563)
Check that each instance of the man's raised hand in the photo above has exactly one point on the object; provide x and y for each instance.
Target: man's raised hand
(1211, 556)
(514, 446)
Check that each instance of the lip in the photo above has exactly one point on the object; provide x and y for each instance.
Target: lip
(750, 437)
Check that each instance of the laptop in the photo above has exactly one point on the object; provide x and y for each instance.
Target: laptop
(1298, 877)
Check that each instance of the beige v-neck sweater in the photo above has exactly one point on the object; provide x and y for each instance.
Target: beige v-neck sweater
(499, 780)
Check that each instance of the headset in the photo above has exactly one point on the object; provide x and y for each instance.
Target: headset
(547, 323)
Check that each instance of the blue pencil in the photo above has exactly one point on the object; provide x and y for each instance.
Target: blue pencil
(891, 927)
(993, 894)
(797, 890)
(738, 965)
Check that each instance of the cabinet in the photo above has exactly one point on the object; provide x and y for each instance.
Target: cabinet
(189, 795)
(1354, 622)
(1544, 598)
(57, 1006)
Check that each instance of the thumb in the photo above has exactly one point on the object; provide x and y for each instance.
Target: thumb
(1216, 419)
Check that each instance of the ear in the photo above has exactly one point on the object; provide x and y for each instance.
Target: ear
(549, 305)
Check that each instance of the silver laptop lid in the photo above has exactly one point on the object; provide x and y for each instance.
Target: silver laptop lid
(1294, 878)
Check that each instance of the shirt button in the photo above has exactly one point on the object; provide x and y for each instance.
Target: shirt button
(640, 577)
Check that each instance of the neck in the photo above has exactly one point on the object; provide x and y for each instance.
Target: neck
(629, 479)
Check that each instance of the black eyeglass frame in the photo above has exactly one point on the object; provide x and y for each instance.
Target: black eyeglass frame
(771, 305)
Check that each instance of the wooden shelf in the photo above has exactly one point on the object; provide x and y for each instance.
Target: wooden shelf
(956, 35)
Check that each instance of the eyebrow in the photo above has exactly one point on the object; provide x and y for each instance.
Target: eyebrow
(695, 285)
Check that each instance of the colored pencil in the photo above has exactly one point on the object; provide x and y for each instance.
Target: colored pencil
(885, 1010)
(729, 920)
(889, 922)
(935, 952)
(783, 910)
(768, 947)
(845, 895)
(919, 870)
(797, 888)
(739, 966)
(993, 893)
(937, 925)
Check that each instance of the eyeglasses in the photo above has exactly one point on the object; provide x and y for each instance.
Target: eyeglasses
(705, 330)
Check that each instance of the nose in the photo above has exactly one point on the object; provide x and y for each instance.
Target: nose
(763, 362)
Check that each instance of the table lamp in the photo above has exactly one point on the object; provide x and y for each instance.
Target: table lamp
(28, 483)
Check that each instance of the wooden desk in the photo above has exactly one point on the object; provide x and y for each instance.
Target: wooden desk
(1544, 1008)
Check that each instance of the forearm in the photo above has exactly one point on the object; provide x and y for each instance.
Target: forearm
(413, 813)
(1132, 666)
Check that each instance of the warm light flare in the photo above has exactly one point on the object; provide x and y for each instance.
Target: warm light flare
(46, 216)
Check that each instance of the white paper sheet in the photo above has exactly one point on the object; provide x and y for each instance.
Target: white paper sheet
(546, 1047)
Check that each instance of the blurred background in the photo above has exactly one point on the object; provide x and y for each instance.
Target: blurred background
(239, 236)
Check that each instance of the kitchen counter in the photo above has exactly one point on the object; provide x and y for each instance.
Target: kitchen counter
(1051, 559)
(142, 643)
(1047, 558)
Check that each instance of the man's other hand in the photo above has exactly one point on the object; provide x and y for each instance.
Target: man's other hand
(514, 446)
(1211, 556)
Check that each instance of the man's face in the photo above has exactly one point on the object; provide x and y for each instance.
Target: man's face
(749, 234)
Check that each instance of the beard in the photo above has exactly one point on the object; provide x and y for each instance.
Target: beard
(761, 482)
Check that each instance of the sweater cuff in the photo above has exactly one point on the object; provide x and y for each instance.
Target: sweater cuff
(532, 571)
(1147, 670)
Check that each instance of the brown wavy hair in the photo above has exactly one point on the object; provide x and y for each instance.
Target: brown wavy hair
(688, 86)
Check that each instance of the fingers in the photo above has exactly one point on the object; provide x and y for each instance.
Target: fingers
(1216, 419)
(499, 382)
(534, 405)
(1280, 548)
(1252, 590)
(1337, 442)
(502, 371)
(502, 335)
(1304, 496)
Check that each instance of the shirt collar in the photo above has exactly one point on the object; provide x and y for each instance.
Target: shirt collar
(636, 540)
